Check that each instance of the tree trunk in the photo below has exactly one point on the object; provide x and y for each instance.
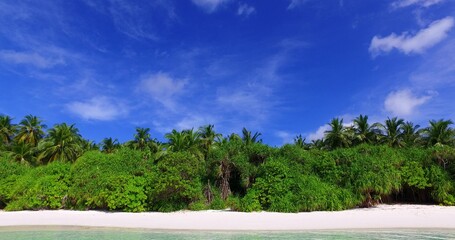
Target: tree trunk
(225, 176)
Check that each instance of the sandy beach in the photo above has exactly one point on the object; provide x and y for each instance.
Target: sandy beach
(383, 216)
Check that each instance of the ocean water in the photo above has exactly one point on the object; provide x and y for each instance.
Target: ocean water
(47, 233)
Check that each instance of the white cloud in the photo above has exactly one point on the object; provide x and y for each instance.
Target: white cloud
(29, 58)
(286, 137)
(404, 102)
(407, 3)
(417, 43)
(296, 3)
(209, 5)
(194, 121)
(249, 102)
(98, 108)
(162, 87)
(245, 10)
(319, 134)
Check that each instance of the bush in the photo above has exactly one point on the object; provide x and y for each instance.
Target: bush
(44, 187)
(442, 188)
(110, 181)
(282, 188)
(9, 172)
(175, 182)
(371, 171)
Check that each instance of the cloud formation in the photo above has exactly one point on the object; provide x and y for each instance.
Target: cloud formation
(404, 102)
(162, 88)
(98, 108)
(29, 58)
(209, 6)
(245, 10)
(407, 3)
(319, 134)
(296, 3)
(418, 43)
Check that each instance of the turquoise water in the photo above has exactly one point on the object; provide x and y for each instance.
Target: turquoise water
(113, 234)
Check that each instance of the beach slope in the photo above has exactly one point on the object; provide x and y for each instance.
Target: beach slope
(383, 216)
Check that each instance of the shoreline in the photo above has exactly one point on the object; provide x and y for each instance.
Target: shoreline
(379, 217)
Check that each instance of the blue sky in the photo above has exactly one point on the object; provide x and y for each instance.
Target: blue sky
(282, 68)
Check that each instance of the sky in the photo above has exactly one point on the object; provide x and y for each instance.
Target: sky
(281, 68)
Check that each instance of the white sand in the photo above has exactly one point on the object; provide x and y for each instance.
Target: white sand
(383, 216)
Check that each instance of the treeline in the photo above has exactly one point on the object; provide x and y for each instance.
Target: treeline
(356, 165)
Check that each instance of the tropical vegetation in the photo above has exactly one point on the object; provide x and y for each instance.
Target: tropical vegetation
(358, 164)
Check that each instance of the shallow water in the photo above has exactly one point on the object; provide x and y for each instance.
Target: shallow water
(51, 233)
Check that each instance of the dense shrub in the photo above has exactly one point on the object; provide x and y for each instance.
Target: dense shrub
(242, 177)
(282, 188)
(442, 188)
(370, 171)
(175, 182)
(110, 181)
(9, 172)
(43, 187)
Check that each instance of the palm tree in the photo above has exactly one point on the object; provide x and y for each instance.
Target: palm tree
(7, 130)
(299, 141)
(338, 135)
(249, 138)
(176, 140)
(317, 144)
(439, 133)
(393, 132)
(186, 140)
(363, 131)
(22, 152)
(89, 145)
(109, 145)
(208, 136)
(30, 130)
(410, 133)
(141, 138)
(63, 142)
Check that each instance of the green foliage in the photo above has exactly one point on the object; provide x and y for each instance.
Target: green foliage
(413, 171)
(113, 181)
(44, 187)
(175, 182)
(9, 172)
(280, 187)
(442, 188)
(312, 194)
(373, 171)
(250, 202)
(198, 206)
(240, 173)
(327, 165)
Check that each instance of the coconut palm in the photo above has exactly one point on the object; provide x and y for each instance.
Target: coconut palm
(89, 145)
(317, 144)
(363, 131)
(249, 138)
(7, 130)
(186, 140)
(299, 141)
(22, 152)
(338, 135)
(63, 142)
(439, 133)
(109, 145)
(30, 130)
(141, 138)
(393, 132)
(410, 133)
(208, 136)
